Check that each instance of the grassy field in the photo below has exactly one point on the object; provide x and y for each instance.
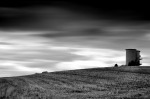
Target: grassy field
(96, 83)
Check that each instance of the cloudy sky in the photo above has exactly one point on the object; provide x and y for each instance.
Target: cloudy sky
(40, 35)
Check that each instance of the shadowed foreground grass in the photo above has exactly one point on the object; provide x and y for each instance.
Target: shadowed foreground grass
(97, 83)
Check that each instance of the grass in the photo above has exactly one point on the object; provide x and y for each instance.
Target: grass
(97, 83)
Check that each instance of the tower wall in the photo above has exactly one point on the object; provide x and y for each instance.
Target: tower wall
(132, 57)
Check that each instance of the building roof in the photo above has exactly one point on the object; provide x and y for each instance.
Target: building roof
(134, 49)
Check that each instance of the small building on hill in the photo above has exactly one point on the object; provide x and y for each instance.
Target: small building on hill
(133, 57)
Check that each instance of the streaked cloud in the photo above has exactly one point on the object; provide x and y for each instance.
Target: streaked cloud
(35, 39)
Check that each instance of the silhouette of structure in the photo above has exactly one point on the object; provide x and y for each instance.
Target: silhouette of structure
(133, 57)
(116, 65)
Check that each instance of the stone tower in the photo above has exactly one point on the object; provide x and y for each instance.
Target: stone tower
(133, 57)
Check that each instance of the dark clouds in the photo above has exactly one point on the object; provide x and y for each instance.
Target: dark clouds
(76, 21)
(46, 15)
(102, 26)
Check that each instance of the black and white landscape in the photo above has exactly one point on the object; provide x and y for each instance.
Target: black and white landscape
(59, 35)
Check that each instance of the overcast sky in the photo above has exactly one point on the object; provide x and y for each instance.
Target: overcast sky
(58, 35)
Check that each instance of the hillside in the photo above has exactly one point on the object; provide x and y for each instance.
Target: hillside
(96, 83)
